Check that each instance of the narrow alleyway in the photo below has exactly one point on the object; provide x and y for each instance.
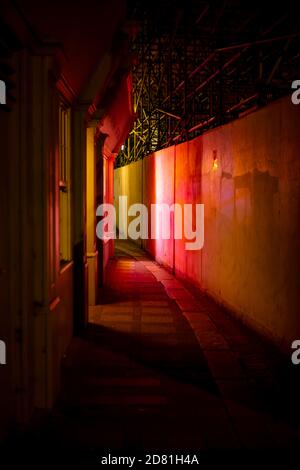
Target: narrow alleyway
(162, 369)
(175, 123)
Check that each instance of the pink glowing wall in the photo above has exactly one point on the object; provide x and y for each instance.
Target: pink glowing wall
(158, 187)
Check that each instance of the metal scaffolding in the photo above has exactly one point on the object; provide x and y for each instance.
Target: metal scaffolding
(200, 64)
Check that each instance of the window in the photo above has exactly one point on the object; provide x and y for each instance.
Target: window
(64, 185)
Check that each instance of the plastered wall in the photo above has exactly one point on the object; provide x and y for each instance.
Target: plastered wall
(247, 175)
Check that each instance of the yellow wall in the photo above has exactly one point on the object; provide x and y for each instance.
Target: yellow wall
(91, 216)
(128, 181)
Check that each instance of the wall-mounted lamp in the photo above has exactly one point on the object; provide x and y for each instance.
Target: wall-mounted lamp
(215, 161)
(122, 147)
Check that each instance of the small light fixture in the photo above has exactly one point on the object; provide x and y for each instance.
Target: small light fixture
(122, 147)
(215, 160)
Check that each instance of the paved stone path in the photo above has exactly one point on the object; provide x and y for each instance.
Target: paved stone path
(160, 368)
